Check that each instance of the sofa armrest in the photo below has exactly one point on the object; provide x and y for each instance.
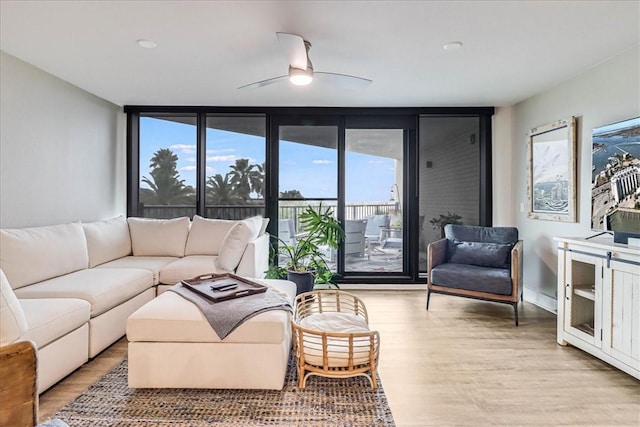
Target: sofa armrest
(516, 269)
(18, 385)
(255, 260)
(436, 255)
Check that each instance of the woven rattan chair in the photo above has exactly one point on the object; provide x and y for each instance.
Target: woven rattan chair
(331, 337)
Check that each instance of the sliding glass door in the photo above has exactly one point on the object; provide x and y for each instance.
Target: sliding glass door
(360, 173)
(374, 183)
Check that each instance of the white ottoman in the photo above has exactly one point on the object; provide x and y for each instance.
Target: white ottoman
(171, 345)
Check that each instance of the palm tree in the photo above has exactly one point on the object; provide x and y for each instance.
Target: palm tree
(240, 177)
(220, 191)
(256, 179)
(165, 187)
(291, 194)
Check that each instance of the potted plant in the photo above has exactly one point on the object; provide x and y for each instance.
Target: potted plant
(305, 263)
(438, 223)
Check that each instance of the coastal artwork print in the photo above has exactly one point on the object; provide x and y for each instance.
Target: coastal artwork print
(615, 177)
(552, 171)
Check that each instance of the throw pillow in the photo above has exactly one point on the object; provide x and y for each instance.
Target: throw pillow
(235, 243)
(206, 235)
(493, 255)
(12, 318)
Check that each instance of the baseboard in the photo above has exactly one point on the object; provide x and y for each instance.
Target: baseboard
(538, 299)
(384, 287)
(541, 300)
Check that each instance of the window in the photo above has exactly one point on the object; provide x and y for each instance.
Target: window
(167, 181)
(396, 168)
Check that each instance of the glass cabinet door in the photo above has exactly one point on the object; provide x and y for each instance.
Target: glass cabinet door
(583, 296)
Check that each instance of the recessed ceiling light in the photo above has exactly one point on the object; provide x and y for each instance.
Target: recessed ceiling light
(147, 44)
(452, 46)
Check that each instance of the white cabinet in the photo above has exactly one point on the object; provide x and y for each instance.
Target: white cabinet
(599, 300)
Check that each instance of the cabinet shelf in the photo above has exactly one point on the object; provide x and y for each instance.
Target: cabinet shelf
(585, 292)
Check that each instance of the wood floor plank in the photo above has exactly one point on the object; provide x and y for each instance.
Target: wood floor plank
(463, 362)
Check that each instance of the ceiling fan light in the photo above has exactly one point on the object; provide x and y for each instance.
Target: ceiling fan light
(300, 77)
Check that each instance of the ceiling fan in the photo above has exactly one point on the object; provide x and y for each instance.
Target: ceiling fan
(301, 71)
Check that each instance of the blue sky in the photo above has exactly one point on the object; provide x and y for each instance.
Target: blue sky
(311, 170)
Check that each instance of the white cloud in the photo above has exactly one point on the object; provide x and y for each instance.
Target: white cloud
(228, 158)
(184, 148)
(225, 150)
(321, 162)
(375, 162)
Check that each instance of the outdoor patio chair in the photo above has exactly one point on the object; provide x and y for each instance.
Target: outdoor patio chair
(373, 231)
(287, 231)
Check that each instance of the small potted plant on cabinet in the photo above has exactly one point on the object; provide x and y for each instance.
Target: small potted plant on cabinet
(305, 262)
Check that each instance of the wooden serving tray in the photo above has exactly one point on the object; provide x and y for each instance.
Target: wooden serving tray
(202, 286)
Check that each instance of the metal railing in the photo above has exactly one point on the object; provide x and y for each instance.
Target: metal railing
(289, 210)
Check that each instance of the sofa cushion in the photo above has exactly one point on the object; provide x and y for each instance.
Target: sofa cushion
(152, 263)
(107, 240)
(30, 255)
(53, 318)
(159, 237)
(206, 235)
(104, 288)
(235, 243)
(13, 323)
(473, 278)
(188, 268)
(494, 255)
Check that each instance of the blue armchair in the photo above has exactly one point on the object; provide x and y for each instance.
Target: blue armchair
(477, 262)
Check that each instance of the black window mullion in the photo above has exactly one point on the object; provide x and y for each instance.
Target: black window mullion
(133, 164)
(201, 165)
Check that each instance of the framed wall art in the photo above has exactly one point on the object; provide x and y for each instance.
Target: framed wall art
(552, 171)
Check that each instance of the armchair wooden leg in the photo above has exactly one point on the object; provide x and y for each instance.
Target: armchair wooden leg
(428, 297)
(515, 309)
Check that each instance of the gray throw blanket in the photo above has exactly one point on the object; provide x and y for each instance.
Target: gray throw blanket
(225, 316)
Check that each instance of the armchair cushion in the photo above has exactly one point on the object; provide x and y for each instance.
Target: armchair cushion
(473, 278)
(471, 233)
(494, 255)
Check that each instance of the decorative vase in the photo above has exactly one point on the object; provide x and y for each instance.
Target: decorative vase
(304, 280)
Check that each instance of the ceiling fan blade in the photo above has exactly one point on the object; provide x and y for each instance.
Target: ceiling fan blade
(293, 45)
(264, 83)
(343, 80)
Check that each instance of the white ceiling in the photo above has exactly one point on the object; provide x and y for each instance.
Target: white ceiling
(206, 49)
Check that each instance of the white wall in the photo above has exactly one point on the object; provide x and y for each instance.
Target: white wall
(504, 205)
(607, 93)
(62, 150)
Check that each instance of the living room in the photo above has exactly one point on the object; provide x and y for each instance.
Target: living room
(64, 155)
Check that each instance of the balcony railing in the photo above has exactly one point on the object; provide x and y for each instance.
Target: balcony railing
(352, 211)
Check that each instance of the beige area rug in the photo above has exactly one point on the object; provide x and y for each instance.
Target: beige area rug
(324, 402)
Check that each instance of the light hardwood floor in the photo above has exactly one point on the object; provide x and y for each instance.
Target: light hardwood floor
(463, 363)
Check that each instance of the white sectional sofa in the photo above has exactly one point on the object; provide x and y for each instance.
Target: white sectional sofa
(70, 288)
